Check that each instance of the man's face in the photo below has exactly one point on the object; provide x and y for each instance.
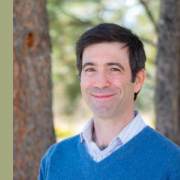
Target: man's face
(106, 80)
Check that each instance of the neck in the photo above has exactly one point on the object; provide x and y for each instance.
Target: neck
(105, 130)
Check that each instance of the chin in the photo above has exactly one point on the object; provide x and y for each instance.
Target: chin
(103, 113)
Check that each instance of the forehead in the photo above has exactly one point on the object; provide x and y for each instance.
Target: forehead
(106, 52)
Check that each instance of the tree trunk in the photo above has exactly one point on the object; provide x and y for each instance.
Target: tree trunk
(168, 71)
(32, 113)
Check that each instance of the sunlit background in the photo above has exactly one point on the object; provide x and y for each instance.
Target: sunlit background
(68, 19)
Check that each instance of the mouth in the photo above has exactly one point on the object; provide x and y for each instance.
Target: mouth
(102, 96)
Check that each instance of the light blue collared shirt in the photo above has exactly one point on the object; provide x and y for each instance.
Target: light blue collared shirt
(127, 133)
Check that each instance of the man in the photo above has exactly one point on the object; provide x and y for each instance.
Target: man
(115, 143)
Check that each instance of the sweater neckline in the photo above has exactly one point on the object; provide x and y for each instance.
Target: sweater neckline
(129, 147)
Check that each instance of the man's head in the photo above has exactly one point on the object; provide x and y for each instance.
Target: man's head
(109, 33)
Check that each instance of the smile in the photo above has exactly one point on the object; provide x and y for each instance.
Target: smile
(104, 96)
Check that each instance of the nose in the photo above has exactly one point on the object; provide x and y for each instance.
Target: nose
(101, 80)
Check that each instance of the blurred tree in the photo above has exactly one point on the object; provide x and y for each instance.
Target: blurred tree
(33, 122)
(168, 71)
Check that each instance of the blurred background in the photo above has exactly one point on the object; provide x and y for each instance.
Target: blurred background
(67, 21)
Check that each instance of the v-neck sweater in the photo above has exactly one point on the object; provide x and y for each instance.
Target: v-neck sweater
(147, 156)
(126, 134)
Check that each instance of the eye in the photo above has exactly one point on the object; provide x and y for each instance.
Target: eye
(89, 70)
(115, 70)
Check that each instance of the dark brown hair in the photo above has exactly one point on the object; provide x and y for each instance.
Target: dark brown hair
(108, 32)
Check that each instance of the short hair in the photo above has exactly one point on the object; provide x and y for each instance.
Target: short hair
(109, 32)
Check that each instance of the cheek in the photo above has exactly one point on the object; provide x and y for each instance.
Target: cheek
(86, 82)
(122, 83)
(116, 81)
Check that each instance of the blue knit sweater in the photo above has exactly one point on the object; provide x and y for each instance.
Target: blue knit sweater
(148, 156)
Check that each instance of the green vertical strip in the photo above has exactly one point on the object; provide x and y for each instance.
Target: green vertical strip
(6, 87)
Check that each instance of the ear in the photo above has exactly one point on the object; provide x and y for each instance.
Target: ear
(140, 77)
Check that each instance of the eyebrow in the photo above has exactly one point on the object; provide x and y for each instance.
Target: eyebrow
(88, 64)
(108, 64)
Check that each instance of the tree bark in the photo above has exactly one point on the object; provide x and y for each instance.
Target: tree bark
(168, 71)
(32, 100)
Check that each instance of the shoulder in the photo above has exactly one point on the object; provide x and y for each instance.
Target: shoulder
(157, 148)
(161, 143)
(61, 148)
(69, 142)
(58, 151)
(64, 144)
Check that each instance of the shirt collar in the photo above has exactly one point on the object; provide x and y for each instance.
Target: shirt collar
(131, 129)
(86, 134)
